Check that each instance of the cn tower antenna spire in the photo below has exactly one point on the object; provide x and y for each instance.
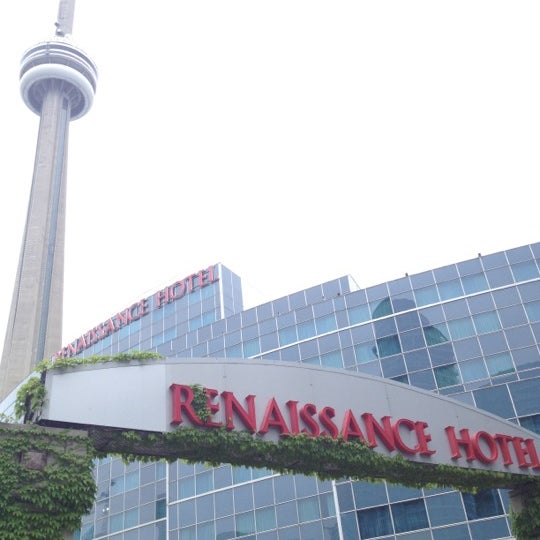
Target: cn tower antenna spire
(64, 24)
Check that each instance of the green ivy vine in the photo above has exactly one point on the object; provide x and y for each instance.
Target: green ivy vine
(324, 457)
(46, 482)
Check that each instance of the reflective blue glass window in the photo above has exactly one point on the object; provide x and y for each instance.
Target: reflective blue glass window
(359, 314)
(204, 482)
(306, 330)
(527, 358)
(345, 497)
(408, 321)
(377, 292)
(287, 335)
(447, 376)
(385, 327)
(409, 516)
(474, 283)
(522, 253)
(533, 311)
(374, 522)
(456, 309)
(512, 316)
(413, 339)
(327, 504)
(265, 518)
(245, 523)
(332, 359)
(491, 528)
(445, 273)
(381, 308)
(529, 291)
(308, 509)
(500, 364)
(436, 334)
(399, 285)
(445, 509)
(326, 324)
(495, 400)
(286, 514)
(486, 322)
(263, 493)
(422, 280)
(243, 498)
(328, 343)
(525, 270)
(388, 346)
(402, 493)
(417, 360)
(493, 343)
(365, 352)
(356, 298)
(369, 494)
(393, 366)
(441, 354)
(224, 503)
(520, 336)
(482, 504)
(461, 328)
(426, 295)
(531, 422)
(499, 277)
(403, 302)
(251, 348)
(450, 289)
(284, 488)
(362, 333)
(473, 370)
(472, 266)
(291, 533)
(452, 533)
(432, 315)
(480, 302)
(423, 379)
(467, 348)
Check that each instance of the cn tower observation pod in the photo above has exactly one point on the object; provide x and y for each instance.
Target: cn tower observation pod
(58, 60)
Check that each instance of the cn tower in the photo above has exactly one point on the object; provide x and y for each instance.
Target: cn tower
(58, 83)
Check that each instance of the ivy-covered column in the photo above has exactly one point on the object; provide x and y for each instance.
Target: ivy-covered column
(525, 511)
(46, 481)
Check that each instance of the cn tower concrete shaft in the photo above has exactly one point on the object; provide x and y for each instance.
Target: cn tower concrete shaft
(58, 82)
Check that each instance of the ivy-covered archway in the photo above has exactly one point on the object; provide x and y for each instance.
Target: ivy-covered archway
(30, 494)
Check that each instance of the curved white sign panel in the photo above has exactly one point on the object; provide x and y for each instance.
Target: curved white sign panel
(274, 399)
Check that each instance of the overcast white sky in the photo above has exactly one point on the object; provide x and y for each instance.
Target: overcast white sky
(293, 141)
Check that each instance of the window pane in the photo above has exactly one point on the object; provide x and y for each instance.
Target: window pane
(308, 509)
(409, 516)
(375, 522)
(483, 504)
(388, 346)
(474, 283)
(473, 370)
(499, 364)
(447, 376)
(365, 352)
(486, 322)
(461, 328)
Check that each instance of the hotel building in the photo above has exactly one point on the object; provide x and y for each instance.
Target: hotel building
(469, 330)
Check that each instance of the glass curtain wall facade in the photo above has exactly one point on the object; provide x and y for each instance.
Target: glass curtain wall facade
(469, 330)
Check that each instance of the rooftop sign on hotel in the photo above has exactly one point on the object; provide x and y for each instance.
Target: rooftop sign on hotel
(136, 311)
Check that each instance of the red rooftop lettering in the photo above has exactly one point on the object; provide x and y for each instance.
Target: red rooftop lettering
(137, 310)
(185, 286)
